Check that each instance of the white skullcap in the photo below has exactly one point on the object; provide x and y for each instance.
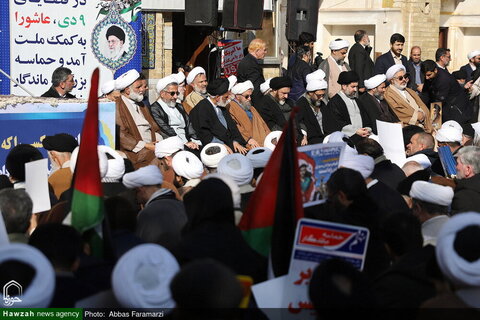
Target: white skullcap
(40, 291)
(234, 188)
(145, 176)
(162, 83)
(338, 44)
(116, 166)
(192, 74)
(241, 87)
(393, 70)
(268, 139)
(432, 193)
(316, 75)
(334, 137)
(421, 159)
(314, 85)
(141, 277)
(232, 80)
(180, 77)
(264, 87)
(259, 156)
(212, 160)
(449, 134)
(103, 161)
(359, 162)
(108, 87)
(238, 167)
(473, 54)
(453, 124)
(169, 146)
(187, 165)
(375, 81)
(458, 270)
(126, 79)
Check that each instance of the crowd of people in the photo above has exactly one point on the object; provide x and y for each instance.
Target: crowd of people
(186, 166)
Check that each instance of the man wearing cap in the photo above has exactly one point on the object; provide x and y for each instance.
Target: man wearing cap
(62, 84)
(344, 112)
(430, 204)
(212, 121)
(298, 69)
(472, 65)
(393, 56)
(60, 148)
(467, 191)
(170, 115)
(138, 130)
(334, 65)
(405, 102)
(275, 107)
(374, 101)
(310, 115)
(197, 79)
(115, 39)
(441, 86)
(249, 68)
(249, 122)
(359, 57)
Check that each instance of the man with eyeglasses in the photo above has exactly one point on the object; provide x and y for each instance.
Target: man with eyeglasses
(170, 115)
(334, 65)
(249, 122)
(405, 102)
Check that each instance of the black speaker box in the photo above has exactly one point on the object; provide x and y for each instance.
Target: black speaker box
(201, 13)
(302, 16)
(242, 14)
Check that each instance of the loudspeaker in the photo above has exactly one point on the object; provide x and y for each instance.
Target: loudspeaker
(201, 13)
(242, 14)
(302, 16)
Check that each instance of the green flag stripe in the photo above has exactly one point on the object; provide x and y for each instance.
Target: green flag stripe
(259, 239)
(87, 209)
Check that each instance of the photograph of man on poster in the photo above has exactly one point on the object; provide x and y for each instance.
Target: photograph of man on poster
(116, 43)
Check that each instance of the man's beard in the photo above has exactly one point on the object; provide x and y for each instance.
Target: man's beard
(317, 103)
(169, 103)
(246, 105)
(116, 53)
(135, 96)
(400, 86)
(351, 95)
(222, 103)
(379, 96)
(199, 91)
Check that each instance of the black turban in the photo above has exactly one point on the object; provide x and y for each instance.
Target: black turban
(117, 32)
(61, 142)
(218, 87)
(280, 82)
(460, 74)
(347, 77)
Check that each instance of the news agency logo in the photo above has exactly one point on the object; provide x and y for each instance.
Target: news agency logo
(12, 287)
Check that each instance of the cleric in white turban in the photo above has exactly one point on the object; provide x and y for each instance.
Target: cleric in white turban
(102, 158)
(338, 44)
(359, 162)
(265, 87)
(238, 167)
(167, 147)
(316, 75)
(164, 82)
(145, 176)
(393, 70)
(375, 81)
(241, 87)
(232, 80)
(141, 277)
(195, 72)
(259, 156)
(126, 79)
(315, 85)
(115, 165)
(108, 87)
(272, 139)
(188, 168)
(212, 153)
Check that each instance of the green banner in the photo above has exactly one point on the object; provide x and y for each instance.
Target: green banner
(39, 313)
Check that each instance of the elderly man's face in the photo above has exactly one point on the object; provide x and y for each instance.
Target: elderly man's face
(463, 170)
(245, 99)
(414, 146)
(136, 91)
(114, 42)
(223, 100)
(400, 80)
(169, 95)
(397, 48)
(200, 83)
(340, 54)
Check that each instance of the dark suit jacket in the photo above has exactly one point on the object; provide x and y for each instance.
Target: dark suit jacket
(413, 73)
(298, 72)
(377, 110)
(52, 93)
(468, 69)
(360, 62)
(206, 124)
(336, 115)
(385, 61)
(250, 69)
(309, 120)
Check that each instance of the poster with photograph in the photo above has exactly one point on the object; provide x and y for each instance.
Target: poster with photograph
(436, 115)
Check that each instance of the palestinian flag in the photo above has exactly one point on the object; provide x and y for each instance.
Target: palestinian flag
(87, 201)
(270, 219)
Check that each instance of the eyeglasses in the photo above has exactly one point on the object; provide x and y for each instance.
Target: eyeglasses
(172, 93)
(400, 78)
(247, 96)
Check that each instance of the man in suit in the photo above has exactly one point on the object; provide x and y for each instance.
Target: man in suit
(441, 86)
(334, 65)
(393, 56)
(417, 78)
(62, 84)
(443, 57)
(249, 68)
(473, 63)
(359, 58)
(298, 71)
(374, 101)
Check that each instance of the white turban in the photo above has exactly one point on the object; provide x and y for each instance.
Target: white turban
(264, 87)
(314, 85)
(116, 166)
(393, 70)
(192, 74)
(162, 83)
(241, 87)
(145, 176)
(338, 44)
(359, 162)
(141, 278)
(458, 270)
(40, 291)
(212, 160)
(375, 81)
(421, 159)
(108, 87)
(187, 165)
(238, 167)
(334, 137)
(259, 157)
(126, 79)
(180, 77)
(453, 124)
(268, 139)
(432, 193)
(168, 146)
(234, 188)
(232, 80)
(473, 54)
(449, 134)
(316, 75)
(103, 161)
